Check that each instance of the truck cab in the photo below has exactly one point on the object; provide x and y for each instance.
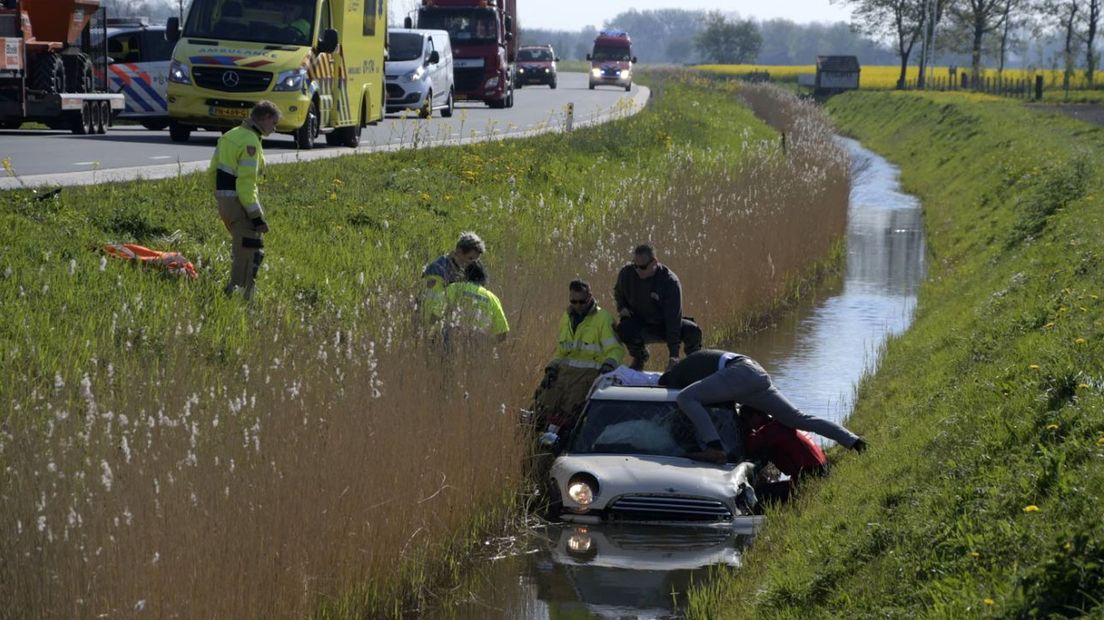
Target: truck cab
(484, 45)
(232, 54)
(611, 60)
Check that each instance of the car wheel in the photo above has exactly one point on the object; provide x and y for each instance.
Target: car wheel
(510, 99)
(427, 108)
(305, 135)
(591, 85)
(552, 84)
(446, 111)
(518, 85)
(628, 87)
(178, 132)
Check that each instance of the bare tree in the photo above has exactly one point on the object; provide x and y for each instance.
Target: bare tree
(901, 20)
(980, 17)
(1094, 8)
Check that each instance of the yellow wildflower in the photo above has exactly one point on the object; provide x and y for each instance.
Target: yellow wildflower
(1034, 367)
(1068, 546)
(1052, 427)
(1080, 341)
(989, 601)
(1031, 508)
(975, 554)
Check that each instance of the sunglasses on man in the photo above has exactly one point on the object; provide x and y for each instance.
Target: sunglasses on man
(645, 266)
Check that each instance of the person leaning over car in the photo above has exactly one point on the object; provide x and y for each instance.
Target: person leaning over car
(586, 346)
(649, 302)
(791, 451)
(710, 377)
(235, 165)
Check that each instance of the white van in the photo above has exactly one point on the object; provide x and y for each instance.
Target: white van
(138, 58)
(418, 72)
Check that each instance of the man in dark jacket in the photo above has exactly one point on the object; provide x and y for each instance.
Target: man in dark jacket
(709, 377)
(649, 302)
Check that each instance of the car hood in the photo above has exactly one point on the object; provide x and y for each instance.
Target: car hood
(612, 64)
(399, 67)
(535, 64)
(620, 474)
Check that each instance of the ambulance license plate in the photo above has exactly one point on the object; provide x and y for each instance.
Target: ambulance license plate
(228, 112)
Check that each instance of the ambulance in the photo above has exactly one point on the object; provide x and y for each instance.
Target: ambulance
(138, 67)
(320, 61)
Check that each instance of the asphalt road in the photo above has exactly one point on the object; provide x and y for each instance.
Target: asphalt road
(45, 157)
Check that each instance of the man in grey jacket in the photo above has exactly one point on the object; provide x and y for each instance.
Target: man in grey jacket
(649, 302)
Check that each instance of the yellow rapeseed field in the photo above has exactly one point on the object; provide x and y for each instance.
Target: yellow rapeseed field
(885, 76)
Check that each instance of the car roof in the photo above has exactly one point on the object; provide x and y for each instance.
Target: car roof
(635, 393)
(536, 47)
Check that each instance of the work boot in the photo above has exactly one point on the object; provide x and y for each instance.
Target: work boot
(860, 445)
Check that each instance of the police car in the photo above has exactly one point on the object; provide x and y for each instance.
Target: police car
(138, 58)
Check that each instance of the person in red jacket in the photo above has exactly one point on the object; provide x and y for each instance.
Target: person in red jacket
(790, 450)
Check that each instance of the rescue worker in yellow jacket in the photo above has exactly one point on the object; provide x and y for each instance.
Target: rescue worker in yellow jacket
(471, 309)
(448, 268)
(237, 162)
(587, 346)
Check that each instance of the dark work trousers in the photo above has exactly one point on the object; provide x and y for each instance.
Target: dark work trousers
(637, 335)
(744, 381)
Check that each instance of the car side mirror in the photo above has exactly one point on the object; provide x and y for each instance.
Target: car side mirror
(407, 22)
(588, 56)
(634, 60)
(328, 44)
(556, 60)
(434, 57)
(172, 29)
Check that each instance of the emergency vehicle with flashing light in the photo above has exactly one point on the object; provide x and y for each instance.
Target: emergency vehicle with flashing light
(138, 56)
(319, 61)
(611, 60)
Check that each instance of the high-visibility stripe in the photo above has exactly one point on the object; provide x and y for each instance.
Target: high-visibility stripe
(609, 342)
(581, 364)
(581, 346)
(248, 163)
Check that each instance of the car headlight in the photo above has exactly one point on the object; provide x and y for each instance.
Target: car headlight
(596, 72)
(179, 73)
(582, 488)
(290, 80)
(492, 83)
(415, 75)
(521, 69)
(546, 69)
(624, 73)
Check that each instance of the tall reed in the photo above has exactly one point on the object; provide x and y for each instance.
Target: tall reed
(340, 464)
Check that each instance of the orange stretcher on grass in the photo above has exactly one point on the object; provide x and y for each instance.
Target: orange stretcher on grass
(171, 262)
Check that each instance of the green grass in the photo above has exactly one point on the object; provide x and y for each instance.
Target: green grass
(982, 494)
(310, 442)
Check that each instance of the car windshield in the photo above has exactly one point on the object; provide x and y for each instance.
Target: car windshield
(611, 52)
(405, 46)
(540, 54)
(278, 22)
(645, 427)
(463, 25)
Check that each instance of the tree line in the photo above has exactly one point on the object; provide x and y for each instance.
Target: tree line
(984, 30)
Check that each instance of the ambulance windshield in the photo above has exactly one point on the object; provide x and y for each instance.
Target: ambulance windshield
(278, 22)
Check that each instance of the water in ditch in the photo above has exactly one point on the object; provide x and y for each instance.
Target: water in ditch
(815, 355)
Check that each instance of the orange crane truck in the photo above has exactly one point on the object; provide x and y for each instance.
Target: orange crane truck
(45, 76)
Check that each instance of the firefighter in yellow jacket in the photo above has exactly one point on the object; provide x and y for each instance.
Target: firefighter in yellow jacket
(473, 310)
(587, 347)
(237, 162)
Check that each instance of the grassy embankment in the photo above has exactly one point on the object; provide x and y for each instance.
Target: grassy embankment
(168, 450)
(982, 494)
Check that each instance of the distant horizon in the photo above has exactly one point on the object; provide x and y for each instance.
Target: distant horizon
(574, 15)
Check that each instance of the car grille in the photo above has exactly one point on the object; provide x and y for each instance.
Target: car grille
(672, 539)
(468, 79)
(394, 91)
(214, 78)
(667, 508)
(611, 72)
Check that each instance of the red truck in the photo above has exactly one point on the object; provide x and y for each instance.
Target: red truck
(44, 74)
(483, 34)
(611, 61)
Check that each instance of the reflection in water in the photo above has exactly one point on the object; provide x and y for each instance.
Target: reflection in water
(815, 355)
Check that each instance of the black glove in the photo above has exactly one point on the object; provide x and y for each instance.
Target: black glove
(550, 374)
(607, 367)
(260, 224)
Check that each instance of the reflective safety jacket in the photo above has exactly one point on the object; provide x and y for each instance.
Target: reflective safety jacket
(590, 344)
(436, 276)
(237, 161)
(471, 305)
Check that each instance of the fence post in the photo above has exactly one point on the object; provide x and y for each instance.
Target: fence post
(965, 81)
(570, 116)
(1038, 88)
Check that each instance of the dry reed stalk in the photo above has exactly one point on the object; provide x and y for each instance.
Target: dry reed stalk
(337, 465)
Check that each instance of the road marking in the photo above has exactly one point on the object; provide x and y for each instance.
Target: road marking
(86, 163)
(162, 157)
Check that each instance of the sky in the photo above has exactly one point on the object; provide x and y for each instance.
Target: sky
(575, 14)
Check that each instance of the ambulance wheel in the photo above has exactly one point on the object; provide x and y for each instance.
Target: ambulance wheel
(628, 87)
(178, 132)
(552, 84)
(155, 125)
(450, 105)
(305, 135)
